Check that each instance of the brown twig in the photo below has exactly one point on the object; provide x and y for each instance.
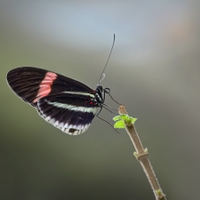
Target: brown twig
(142, 156)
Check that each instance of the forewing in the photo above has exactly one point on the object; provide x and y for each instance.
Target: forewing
(32, 84)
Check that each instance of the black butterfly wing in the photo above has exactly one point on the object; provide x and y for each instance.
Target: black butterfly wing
(32, 83)
(64, 102)
(72, 113)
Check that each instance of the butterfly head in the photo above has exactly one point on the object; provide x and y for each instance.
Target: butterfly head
(100, 94)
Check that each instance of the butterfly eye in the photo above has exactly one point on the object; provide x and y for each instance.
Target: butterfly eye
(99, 89)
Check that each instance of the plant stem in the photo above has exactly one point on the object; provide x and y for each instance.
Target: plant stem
(142, 156)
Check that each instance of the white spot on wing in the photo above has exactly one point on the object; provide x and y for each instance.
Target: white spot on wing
(77, 129)
(80, 93)
(65, 127)
(74, 108)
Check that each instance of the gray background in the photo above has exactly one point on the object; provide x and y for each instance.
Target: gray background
(154, 70)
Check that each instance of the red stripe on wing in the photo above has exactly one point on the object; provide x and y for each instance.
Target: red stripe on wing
(45, 86)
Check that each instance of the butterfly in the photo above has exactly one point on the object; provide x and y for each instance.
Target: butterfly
(67, 104)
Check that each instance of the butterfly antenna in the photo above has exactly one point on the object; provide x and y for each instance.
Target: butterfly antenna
(102, 74)
(114, 99)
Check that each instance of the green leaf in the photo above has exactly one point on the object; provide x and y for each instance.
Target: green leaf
(122, 120)
(133, 120)
(119, 124)
(118, 117)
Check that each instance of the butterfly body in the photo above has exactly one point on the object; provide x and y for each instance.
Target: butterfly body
(63, 102)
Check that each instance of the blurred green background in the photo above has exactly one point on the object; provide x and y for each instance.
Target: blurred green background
(154, 70)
